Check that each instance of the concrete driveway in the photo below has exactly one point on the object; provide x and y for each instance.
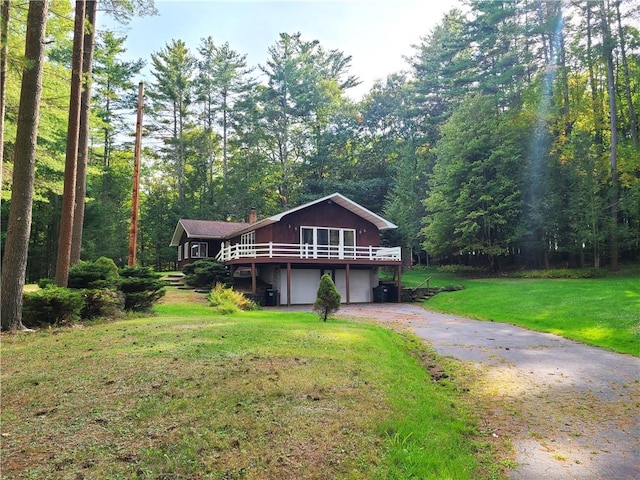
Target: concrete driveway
(571, 411)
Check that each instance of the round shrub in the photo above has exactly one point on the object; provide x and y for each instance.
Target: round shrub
(141, 287)
(51, 306)
(99, 303)
(46, 282)
(205, 273)
(103, 273)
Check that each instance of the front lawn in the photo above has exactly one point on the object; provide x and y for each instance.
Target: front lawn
(604, 312)
(260, 395)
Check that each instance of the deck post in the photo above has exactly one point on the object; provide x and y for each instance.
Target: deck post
(400, 283)
(347, 273)
(288, 284)
(254, 283)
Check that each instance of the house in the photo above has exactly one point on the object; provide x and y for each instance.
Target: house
(286, 254)
(197, 239)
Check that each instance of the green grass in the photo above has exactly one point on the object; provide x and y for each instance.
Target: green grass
(604, 312)
(258, 395)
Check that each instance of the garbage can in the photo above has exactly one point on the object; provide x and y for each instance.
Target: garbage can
(380, 293)
(272, 297)
(392, 293)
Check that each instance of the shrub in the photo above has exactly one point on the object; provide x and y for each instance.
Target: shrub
(205, 273)
(103, 273)
(226, 300)
(51, 306)
(46, 282)
(101, 303)
(141, 287)
(566, 273)
(459, 269)
(327, 298)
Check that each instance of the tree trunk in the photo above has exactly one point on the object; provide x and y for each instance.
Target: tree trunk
(63, 260)
(83, 139)
(595, 100)
(633, 118)
(607, 45)
(4, 51)
(14, 263)
(224, 137)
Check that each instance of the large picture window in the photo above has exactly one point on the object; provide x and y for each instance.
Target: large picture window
(324, 242)
(199, 249)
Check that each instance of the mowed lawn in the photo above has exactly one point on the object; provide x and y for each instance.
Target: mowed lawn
(261, 395)
(604, 312)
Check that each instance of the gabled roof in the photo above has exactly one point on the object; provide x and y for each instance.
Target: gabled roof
(206, 229)
(337, 198)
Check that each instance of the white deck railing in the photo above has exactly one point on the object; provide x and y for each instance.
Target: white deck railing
(306, 251)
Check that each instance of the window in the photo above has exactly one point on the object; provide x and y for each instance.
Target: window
(179, 252)
(323, 242)
(199, 249)
(186, 250)
(349, 243)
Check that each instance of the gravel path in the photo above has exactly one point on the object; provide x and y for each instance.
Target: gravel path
(571, 411)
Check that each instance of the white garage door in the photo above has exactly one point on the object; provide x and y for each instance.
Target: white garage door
(304, 286)
(305, 283)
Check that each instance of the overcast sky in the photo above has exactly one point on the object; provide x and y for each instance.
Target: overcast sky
(377, 34)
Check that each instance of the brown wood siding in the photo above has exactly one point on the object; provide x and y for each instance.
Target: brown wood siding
(325, 214)
(213, 249)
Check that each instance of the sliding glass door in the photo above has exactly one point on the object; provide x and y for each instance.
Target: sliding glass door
(323, 242)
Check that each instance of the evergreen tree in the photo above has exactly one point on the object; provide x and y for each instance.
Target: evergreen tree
(172, 95)
(14, 260)
(327, 298)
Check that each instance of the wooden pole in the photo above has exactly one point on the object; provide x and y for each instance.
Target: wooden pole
(133, 230)
(254, 284)
(288, 284)
(348, 284)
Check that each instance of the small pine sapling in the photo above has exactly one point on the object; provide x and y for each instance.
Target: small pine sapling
(327, 298)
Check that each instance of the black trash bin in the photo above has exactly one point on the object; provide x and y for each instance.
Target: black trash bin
(380, 294)
(392, 293)
(272, 297)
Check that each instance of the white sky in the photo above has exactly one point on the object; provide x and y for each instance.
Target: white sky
(377, 34)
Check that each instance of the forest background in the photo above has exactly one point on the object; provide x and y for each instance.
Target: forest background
(510, 140)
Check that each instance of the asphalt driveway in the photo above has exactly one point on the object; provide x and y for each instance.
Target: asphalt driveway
(571, 411)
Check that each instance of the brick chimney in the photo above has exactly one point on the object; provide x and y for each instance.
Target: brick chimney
(253, 217)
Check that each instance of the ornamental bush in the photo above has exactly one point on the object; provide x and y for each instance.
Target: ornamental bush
(103, 273)
(51, 306)
(327, 298)
(205, 273)
(141, 287)
(226, 300)
(101, 302)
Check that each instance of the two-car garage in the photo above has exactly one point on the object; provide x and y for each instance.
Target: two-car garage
(303, 284)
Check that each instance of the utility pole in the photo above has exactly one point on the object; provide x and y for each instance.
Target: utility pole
(133, 230)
